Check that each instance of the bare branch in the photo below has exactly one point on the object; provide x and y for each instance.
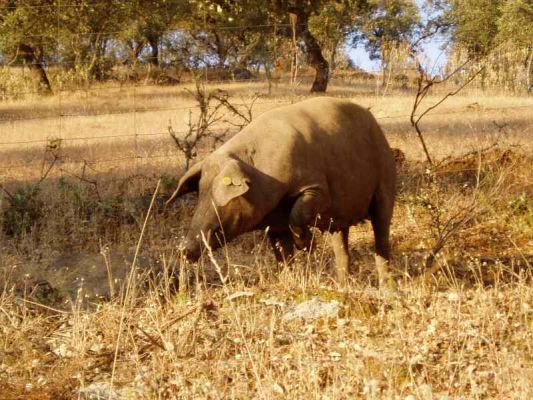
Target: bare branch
(452, 93)
(424, 84)
(212, 107)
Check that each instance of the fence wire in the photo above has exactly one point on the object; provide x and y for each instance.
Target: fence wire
(166, 133)
(69, 160)
(122, 112)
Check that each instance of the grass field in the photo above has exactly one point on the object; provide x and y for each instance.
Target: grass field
(462, 331)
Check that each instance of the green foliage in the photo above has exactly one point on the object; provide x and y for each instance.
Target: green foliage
(88, 205)
(44, 293)
(516, 22)
(23, 211)
(78, 196)
(86, 33)
(27, 22)
(522, 206)
(497, 33)
(334, 23)
(168, 182)
(475, 24)
(91, 39)
(390, 23)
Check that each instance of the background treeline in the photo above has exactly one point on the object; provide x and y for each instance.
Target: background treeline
(78, 42)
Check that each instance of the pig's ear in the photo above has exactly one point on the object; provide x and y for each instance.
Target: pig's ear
(232, 182)
(188, 182)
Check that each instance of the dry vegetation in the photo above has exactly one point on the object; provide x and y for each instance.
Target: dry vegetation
(463, 331)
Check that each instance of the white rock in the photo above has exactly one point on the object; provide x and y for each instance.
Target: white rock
(99, 391)
(453, 296)
(312, 309)
(277, 388)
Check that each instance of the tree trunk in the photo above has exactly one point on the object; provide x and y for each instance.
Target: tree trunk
(312, 50)
(268, 76)
(153, 40)
(97, 67)
(135, 49)
(33, 59)
(220, 50)
(332, 61)
(529, 70)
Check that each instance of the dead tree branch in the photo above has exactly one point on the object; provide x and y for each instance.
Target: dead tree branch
(424, 84)
(245, 116)
(211, 107)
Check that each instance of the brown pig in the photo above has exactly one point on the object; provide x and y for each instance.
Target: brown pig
(323, 162)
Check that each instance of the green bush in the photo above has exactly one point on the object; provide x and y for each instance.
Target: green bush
(24, 211)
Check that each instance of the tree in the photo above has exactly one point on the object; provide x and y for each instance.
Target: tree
(334, 24)
(26, 31)
(232, 33)
(391, 24)
(87, 29)
(153, 19)
(498, 34)
(311, 48)
(475, 25)
(278, 13)
(515, 26)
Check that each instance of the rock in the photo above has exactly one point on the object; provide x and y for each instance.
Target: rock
(104, 391)
(312, 309)
(99, 391)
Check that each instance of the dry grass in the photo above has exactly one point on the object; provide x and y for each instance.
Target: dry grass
(465, 332)
(463, 123)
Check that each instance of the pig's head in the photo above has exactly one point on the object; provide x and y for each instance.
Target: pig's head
(224, 209)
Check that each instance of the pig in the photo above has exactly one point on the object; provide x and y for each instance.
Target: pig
(323, 162)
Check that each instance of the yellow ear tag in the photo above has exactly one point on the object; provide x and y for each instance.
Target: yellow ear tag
(236, 181)
(226, 181)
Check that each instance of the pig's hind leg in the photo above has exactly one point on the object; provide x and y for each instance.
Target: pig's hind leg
(380, 216)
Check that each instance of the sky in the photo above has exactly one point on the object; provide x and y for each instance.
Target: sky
(434, 57)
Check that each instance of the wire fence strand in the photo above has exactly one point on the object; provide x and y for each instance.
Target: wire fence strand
(120, 112)
(166, 133)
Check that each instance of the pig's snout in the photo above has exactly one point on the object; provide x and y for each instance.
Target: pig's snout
(191, 248)
(192, 244)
